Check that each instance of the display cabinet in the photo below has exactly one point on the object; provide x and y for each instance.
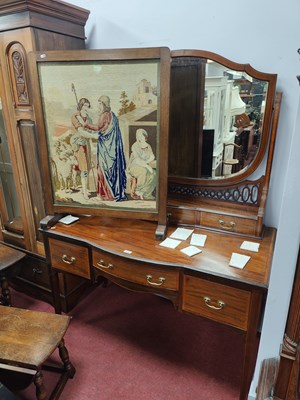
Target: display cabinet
(26, 26)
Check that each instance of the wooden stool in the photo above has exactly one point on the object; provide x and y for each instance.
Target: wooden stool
(9, 266)
(27, 340)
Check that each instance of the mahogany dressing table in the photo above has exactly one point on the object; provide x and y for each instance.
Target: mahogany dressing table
(127, 253)
(124, 247)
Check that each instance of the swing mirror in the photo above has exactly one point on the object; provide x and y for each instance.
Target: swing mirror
(220, 114)
(223, 120)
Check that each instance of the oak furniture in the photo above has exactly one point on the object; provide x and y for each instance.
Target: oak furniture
(27, 340)
(27, 26)
(9, 267)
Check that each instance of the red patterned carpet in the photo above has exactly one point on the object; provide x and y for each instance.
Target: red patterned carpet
(135, 346)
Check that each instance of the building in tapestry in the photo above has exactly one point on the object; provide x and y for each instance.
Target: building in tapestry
(146, 94)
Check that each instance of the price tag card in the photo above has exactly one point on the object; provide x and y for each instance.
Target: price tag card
(181, 233)
(238, 260)
(171, 243)
(191, 251)
(198, 240)
(68, 219)
(251, 246)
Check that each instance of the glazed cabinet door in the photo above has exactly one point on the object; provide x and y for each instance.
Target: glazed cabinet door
(57, 26)
(9, 202)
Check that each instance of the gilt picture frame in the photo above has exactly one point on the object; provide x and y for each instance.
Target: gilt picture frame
(102, 121)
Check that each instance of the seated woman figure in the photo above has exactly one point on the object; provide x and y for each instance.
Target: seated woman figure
(141, 168)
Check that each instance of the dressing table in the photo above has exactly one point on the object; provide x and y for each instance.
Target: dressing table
(127, 253)
(125, 247)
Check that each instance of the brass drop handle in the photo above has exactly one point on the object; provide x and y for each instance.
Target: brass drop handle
(101, 264)
(68, 260)
(228, 227)
(220, 303)
(37, 271)
(160, 282)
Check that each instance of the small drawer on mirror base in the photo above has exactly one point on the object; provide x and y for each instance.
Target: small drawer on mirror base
(215, 301)
(181, 215)
(70, 258)
(228, 223)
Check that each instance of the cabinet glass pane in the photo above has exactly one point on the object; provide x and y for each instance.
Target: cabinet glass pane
(10, 213)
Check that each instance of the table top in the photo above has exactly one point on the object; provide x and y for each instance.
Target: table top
(135, 239)
(27, 338)
(9, 256)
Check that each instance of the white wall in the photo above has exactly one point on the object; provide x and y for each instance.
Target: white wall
(264, 34)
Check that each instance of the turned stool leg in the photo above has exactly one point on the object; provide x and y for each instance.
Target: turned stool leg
(64, 355)
(6, 299)
(39, 385)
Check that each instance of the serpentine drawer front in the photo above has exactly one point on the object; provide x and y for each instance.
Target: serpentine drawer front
(136, 271)
(215, 301)
(228, 223)
(70, 258)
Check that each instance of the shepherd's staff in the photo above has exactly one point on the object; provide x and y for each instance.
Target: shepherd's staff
(77, 102)
(74, 90)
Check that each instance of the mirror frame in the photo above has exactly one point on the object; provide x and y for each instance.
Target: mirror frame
(266, 129)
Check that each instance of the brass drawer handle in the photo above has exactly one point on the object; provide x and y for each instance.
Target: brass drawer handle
(101, 264)
(228, 227)
(68, 260)
(220, 303)
(160, 279)
(37, 271)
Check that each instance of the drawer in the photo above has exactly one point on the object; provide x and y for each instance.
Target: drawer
(35, 271)
(182, 216)
(215, 301)
(228, 223)
(70, 258)
(134, 271)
